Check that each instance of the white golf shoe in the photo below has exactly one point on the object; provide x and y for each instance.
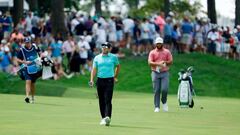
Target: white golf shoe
(107, 121)
(157, 109)
(103, 122)
(165, 107)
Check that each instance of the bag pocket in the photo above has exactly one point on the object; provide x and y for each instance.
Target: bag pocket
(32, 69)
(22, 73)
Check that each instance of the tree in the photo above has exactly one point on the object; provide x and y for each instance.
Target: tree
(58, 18)
(17, 11)
(98, 10)
(166, 7)
(211, 8)
(132, 3)
(237, 12)
(33, 5)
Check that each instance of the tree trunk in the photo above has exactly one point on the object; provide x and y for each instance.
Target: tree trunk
(166, 7)
(58, 18)
(33, 5)
(237, 12)
(211, 8)
(98, 10)
(17, 11)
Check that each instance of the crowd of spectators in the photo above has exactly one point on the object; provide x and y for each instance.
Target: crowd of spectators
(87, 33)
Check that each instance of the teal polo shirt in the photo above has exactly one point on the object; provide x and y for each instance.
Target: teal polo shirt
(105, 65)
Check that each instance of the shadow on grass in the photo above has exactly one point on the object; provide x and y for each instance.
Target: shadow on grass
(132, 127)
(48, 104)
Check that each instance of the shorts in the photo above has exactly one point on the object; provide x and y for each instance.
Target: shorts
(112, 37)
(33, 77)
(186, 39)
(145, 41)
(137, 42)
(82, 61)
(167, 39)
(119, 35)
(57, 60)
(90, 55)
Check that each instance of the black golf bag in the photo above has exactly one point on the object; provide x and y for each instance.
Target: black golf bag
(185, 88)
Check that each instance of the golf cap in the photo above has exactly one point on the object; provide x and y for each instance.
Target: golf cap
(106, 44)
(238, 26)
(3, 41)
(158, 40)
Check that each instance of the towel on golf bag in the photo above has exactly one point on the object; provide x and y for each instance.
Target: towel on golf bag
(47, 72)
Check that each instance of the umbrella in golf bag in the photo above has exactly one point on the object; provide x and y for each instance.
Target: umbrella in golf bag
(185, 88)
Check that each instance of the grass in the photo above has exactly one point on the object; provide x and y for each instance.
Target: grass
(213, 76)
(69, 107)
(132, 114)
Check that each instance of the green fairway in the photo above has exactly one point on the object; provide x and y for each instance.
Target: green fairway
(132, 115)
(69, 106)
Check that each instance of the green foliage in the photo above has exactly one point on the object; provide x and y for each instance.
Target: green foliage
(152, 6)
(177, 6)
(183, 6)
(132, 3)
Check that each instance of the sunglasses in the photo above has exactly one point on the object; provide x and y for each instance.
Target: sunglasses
(104, 46)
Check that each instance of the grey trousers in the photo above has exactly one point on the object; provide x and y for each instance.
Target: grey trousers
(160, 86)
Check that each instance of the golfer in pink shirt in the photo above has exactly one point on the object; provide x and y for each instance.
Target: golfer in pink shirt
(160, 59)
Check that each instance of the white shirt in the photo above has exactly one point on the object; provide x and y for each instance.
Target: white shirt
(68, 46)
(128, 25)
(213, 36)
(74, 23)
(83, 47)
(28, 24)
(101, 36)
(145, 30)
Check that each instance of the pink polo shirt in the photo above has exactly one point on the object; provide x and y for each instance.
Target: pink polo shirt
(157, 56)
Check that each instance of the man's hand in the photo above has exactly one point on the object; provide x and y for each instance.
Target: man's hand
(162, 64)
(27, 62)
(91, 84)
(115, 80)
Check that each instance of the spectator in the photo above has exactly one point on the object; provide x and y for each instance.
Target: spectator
(83, 52)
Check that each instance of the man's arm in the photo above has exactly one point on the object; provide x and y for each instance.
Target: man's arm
(93, 74)
(117, 69)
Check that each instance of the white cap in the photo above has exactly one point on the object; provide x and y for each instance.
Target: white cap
(32, 36)
(158, 40)
(3, 41)
(171, 13)
(238, 26)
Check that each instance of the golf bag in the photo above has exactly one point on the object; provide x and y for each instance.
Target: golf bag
(43, 63)
(47, 64)
(185, 88)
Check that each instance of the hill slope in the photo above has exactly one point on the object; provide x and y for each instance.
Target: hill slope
(213, 76)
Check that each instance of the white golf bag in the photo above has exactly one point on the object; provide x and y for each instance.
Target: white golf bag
(47, 64)
(185, 88)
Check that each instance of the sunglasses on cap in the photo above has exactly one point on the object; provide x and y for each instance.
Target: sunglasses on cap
(104, 46)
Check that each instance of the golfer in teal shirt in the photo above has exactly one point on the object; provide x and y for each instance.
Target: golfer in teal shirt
(106, 66)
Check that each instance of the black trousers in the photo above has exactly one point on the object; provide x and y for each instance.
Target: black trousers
(105, 92)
